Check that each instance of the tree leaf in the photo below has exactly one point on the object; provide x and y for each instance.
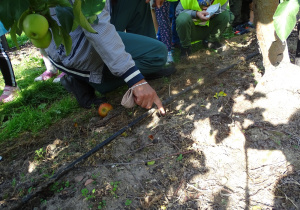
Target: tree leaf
(65, 17)
(21, 19)
(66, 41)
(221, 93)
(80, 18)
(55, 32)
(285, 18)
(62, 3)
(5, 14)
(13, 33)
(92, 7)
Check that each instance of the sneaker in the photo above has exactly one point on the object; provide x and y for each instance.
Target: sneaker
(45, 76)
(57, 79)
(212, 45)
(170, 59)
(9, 94)
(83, 92)
(185, 53)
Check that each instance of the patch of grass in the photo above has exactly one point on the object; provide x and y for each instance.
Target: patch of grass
(22, 39)
(38, 105)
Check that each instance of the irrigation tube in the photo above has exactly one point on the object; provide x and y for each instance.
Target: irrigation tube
(62, 171)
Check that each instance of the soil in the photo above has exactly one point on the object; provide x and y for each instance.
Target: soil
(214, 149)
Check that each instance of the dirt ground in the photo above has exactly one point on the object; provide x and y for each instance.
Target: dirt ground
(213, 149)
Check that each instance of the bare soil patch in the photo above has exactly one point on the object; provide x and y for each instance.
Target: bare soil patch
(211, 150)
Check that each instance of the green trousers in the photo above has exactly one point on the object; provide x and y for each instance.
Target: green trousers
(133, 16)
(150, 55)
(241, 11)
(188, 32)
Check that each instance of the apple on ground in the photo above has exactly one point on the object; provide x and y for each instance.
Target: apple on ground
(104, 109)
(35, 26)
(43, 42)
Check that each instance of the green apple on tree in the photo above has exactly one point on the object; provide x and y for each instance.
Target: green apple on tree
(43, 42)
(35, 26)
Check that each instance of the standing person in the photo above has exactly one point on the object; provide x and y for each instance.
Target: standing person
(243, 13)
(51, 70)
(193, 24)
(10, 89)
(164, 33)
(108, 59)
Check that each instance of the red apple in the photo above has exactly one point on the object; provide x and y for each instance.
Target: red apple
(104, 109)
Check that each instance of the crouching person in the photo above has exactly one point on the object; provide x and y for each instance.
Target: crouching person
(194, 23)
(110, 59)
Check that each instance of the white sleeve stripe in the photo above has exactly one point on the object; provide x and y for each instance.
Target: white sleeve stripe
(132, 76)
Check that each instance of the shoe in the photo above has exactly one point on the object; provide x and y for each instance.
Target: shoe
(83, 92)
(241, 29)
(185, 53)
(45, 76)
(9, 94)
(170, 59)
(212, 45)
(164, 72)
(57, 79)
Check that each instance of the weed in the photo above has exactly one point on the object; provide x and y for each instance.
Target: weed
(30, 189)
(85, 193)
(115, 186)
(43, 201)
(59, 186)
(101, 204)
(39, 154)
(128, 202)
(180, 157)
(13, 183)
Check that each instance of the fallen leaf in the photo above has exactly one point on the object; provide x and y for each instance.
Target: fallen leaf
(87, 182)
(150, 163)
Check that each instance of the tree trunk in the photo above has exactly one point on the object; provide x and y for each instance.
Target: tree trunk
(273, 50)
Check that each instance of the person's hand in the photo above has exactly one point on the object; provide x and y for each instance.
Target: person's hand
(157, 3)
(202, 15)
(145, 96)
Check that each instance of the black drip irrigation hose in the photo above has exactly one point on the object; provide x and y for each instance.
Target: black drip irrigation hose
(63, 171)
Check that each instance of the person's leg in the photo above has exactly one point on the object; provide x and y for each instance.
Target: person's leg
(133, 16)
(164, 24)
(162, 16)
(7, 69)
(51, 70)
(184, 28)
(11, 88)
(218, 25)
(149, 55)
(175, 38)
(236, 9)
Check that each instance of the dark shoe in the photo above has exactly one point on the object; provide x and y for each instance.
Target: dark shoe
(83, 92)
(185, 53)
(212, 45)
(164, 72)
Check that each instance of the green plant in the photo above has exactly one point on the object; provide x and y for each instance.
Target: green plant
(128, 202)
(180, 157)
(13, 183)
(101, 204)
(39, 154)
(59, 186)
(85, 193)
(115, 186)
